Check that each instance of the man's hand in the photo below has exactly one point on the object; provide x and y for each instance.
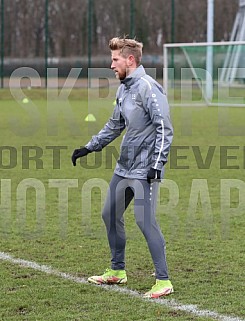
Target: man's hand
(79, 153)
(153, 175)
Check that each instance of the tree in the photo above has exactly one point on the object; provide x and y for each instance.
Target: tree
(25, 24)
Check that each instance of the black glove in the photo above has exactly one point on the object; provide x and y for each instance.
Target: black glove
(79, 153)
(153, 174)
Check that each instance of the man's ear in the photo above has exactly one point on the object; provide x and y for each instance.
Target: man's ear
(131, 60)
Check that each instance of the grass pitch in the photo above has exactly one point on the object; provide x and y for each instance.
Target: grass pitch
(50, 213)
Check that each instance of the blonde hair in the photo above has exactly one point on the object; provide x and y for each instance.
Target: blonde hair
(127, 47)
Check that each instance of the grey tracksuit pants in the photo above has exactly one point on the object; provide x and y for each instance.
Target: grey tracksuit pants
(120, 194)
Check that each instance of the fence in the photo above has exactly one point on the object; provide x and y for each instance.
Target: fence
(45, 33)
(41, 64)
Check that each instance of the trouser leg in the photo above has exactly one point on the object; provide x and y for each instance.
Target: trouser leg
(145, 195)
(118, 198)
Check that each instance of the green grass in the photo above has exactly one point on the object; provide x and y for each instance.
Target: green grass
(27, 295)
(205, 243)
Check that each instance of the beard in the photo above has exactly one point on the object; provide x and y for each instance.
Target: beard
(120, 75)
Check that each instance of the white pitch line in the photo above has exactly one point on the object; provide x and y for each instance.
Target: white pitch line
(170, 303)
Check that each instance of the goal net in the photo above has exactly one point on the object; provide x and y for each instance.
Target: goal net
(205, 73)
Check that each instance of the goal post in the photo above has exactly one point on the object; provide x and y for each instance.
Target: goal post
(205, 73)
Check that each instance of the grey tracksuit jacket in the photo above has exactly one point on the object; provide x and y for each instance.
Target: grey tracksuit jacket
(142, 108)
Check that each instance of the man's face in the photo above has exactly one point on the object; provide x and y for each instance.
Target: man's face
(119, 64)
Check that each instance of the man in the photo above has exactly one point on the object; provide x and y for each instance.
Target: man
(141, 108)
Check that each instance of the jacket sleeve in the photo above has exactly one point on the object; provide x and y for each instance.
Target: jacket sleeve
(157, 105)
(111, 130)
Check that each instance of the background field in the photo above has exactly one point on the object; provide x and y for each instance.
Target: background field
(205, 243)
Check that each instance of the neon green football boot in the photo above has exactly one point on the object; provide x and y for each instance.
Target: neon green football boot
(161, 288)
(109, 277)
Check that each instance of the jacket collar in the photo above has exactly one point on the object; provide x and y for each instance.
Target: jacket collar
(133, 77)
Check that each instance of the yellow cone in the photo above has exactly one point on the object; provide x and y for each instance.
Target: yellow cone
(25, 100)
(90, 117)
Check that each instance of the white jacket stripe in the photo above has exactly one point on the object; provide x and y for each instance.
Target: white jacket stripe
(147, 82)
(162, 144)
